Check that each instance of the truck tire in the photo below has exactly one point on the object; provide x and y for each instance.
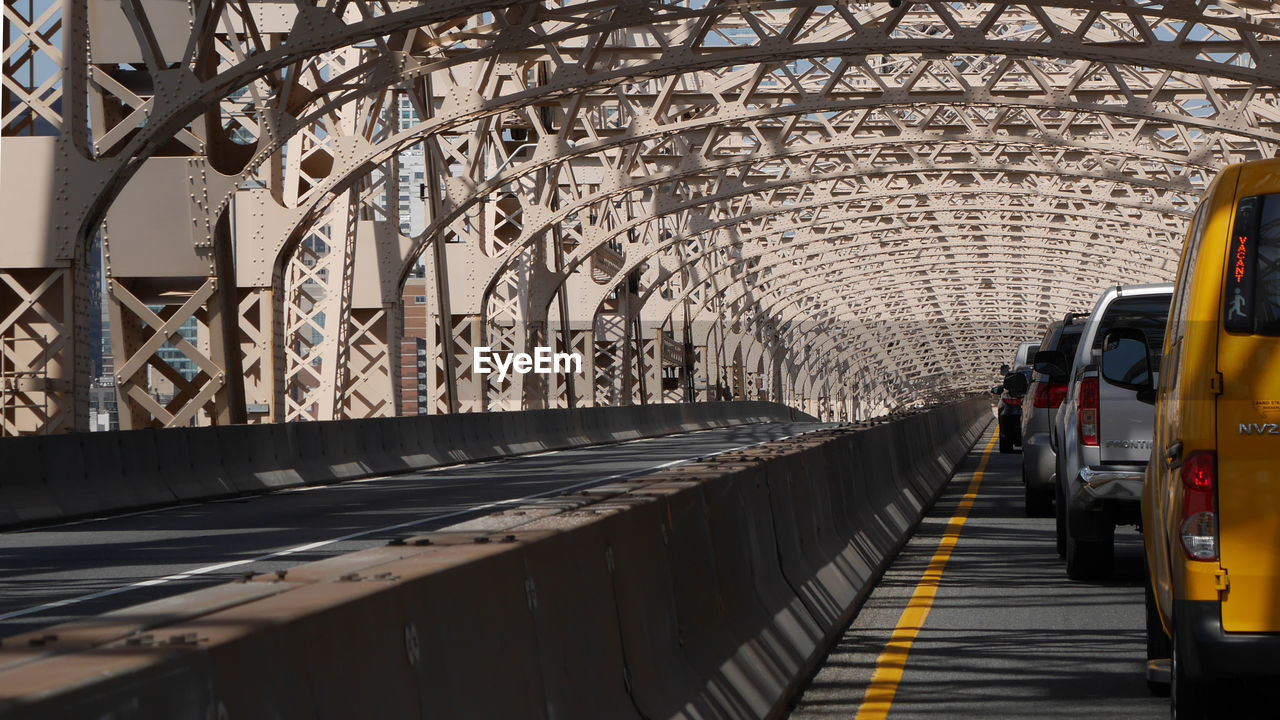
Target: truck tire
(1089, 559)
(1038, 501)
(1006, 443)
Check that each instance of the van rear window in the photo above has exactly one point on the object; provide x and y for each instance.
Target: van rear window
(1251, 303)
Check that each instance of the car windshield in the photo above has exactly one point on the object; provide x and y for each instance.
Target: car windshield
(1065, 340)
(1147, 313)
(1069, 340)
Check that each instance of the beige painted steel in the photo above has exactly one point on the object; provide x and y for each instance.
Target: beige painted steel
(848, 206)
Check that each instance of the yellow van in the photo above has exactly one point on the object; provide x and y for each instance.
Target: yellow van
(1211, 497)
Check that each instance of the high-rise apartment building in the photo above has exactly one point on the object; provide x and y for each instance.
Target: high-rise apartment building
(413, 176)
(412, 203)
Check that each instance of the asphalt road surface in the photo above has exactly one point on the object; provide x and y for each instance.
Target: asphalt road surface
(58, 573)
(1007, 635)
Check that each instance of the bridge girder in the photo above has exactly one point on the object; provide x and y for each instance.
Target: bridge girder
(684, 124)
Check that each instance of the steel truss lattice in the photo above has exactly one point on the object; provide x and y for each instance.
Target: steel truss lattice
(845, 206)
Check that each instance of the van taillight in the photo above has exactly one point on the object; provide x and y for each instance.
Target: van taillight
(1087, 414)
(1049, 395)
(1199, 519)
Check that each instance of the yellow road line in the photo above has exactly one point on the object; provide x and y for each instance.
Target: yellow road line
(893, 660)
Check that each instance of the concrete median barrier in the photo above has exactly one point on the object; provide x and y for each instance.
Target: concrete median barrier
(24, 496)
(660, 678)
(710, 590)
(774, 631)
(706, 636)
(88, 474)
(569, 585)
(124, 468)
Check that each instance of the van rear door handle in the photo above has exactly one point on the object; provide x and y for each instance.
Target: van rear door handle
(1173, 454)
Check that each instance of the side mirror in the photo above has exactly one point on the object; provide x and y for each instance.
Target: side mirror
(997, 390)
(1126, 361)
(1016, 383)
(1053, 363)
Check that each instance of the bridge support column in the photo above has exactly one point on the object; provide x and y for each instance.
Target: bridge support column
(173, 305)
(39, 383)
(258, 357)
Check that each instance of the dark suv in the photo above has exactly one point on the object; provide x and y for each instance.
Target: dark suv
(1009, 412)
(1046, 394)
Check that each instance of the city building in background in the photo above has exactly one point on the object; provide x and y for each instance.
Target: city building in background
(103, 414)
(414, 318)
(413, 177)
(413, 345)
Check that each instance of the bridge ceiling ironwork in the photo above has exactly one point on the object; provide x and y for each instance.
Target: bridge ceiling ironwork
(834, 187)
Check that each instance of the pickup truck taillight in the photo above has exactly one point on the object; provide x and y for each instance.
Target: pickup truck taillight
(1199, 520)
(1087, 411)
(1049, 395)
(1015, 402)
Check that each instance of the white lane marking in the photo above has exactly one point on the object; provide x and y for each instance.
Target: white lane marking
(344, 483)
(186, 574)
(478, 463)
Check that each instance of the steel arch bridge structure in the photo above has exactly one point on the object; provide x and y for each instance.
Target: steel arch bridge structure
(848, 207)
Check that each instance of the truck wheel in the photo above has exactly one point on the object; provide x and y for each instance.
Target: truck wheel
(1158, 647)
(1089, 559)
(1189, 698)
(1038, 501)
(1060, 512)
(1006, 443)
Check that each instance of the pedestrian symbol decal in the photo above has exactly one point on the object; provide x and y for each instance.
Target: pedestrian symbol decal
(1237, 306)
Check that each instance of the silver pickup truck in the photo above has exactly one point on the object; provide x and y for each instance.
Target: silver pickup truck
(1102, 433)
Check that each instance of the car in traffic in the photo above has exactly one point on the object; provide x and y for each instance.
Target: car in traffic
(1009, 412)
(1025, 353)
(1102, 433)
(1211, 502)
(1046, 394)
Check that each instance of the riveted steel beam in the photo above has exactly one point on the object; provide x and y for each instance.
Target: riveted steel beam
(628, 163)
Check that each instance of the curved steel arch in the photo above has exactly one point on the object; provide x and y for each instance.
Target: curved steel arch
(803, 178)
(798, 241)
(635, 261)
(1141, 55)
(728, 164)
(802, 262)
(804, 291)
(823, 257)
(845, 205)
(1085, 297)
(517, 171)
(573, 262)
(547, 155)
(1146, 10)
(792, 311)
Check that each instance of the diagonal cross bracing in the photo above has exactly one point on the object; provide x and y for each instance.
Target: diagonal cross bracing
(792, 198)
